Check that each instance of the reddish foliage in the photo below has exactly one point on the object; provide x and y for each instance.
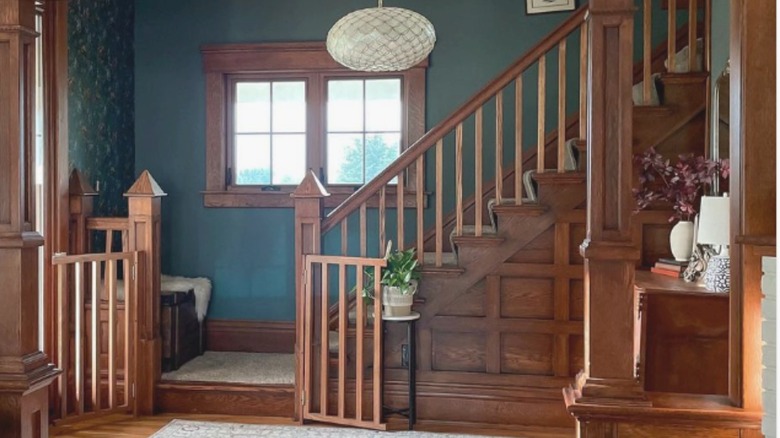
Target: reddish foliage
(681, 184)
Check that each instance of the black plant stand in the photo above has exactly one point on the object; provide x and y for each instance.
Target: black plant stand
(409, 412)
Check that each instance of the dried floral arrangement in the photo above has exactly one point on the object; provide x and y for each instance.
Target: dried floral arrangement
(681, 183)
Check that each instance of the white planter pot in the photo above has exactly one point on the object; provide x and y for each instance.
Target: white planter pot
(681, 241)
(397, 304)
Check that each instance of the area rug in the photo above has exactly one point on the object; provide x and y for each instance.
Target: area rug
(202, 429)
(233, 367)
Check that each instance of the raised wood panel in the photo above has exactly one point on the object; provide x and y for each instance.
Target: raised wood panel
(527, 354)
(250, 336)
(527, 298)
(655, 243)
(540, 250)
(472, 303)
(576, 300)
(453, 351)
(577, 232)
(576, 354)
(628, 430)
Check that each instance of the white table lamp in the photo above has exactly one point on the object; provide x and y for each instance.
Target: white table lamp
(714, 230)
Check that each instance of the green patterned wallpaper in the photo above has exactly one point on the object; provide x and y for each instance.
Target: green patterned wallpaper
(101, 117)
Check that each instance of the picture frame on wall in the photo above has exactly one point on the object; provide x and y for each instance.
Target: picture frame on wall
(544, 6)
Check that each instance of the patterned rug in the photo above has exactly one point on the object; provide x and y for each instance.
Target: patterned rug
(202, 429)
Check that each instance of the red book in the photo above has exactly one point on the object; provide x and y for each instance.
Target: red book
(665, 272)
(668, 267)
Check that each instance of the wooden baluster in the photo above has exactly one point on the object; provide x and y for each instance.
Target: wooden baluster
(343, 319)
(584, 81)
(499, 146)
(344, 237)
(561, 106)
(363, 232)
(308, 329)
(360, 323)
(420, 182)
(439, 219)
(63, 337)
(540, 114)
(519, 140)
(459, 180)
(112, 335)
(131, 301)
(707, 37)
(693, 50)
(400, 211)
(95, 347)
(324, 340)
(671, 47)
(478, 172)
(377, 384)
(79, 338)
(382, 218)
(647, 49)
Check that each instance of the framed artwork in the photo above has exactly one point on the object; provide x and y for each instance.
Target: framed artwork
(542, 6)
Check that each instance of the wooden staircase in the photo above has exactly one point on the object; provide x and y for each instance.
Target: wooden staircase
(501, 295)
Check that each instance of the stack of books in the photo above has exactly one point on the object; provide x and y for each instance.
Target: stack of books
(669, 267)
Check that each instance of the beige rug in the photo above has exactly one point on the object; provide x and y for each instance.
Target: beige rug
(202, 429)
(233, 367)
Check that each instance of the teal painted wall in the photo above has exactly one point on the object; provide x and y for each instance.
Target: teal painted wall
(720, 37)
(247, 252)
(101, 133)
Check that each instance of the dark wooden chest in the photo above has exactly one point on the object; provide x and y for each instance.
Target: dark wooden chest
(181, 331)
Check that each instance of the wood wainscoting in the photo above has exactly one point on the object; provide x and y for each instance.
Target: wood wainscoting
(250, 336)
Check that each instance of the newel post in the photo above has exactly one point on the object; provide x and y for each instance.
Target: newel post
(80, 206)
(308, 200)
(609, 376)
(25, 371)
(144, 199)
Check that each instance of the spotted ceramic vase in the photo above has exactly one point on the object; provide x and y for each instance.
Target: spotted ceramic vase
(681, 241)
(717, 277)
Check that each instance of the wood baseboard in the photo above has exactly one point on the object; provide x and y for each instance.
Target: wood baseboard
(250, 336)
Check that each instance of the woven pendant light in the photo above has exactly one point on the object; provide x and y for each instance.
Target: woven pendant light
(381, 39)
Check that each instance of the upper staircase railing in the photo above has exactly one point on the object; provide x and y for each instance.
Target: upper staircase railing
(489, 100)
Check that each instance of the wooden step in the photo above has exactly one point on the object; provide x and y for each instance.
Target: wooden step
(555, 177)
(469, 236)
(508, 207)
(449, 265)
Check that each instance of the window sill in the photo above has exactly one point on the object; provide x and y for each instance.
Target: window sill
(253, 198)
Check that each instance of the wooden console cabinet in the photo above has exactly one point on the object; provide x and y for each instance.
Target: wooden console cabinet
(683, 336)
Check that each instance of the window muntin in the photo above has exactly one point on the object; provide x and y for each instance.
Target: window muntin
(269, 132)
(364, 128)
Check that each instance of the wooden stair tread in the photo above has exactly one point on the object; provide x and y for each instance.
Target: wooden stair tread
(683, 78)
(555, 177)
(469, 236)
(508, 206)
(654, 109)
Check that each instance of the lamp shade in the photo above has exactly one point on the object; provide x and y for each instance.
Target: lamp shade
(714, 221)
(381, 39)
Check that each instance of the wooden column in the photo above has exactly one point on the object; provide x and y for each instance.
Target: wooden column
(610, 256)
(752, 184)
(144, 199)
(25, 371)
(81, 203)
(308, 198)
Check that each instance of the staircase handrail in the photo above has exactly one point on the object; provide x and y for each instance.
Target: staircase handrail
(427, 141)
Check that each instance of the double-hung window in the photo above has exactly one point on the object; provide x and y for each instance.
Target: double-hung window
(274, 111)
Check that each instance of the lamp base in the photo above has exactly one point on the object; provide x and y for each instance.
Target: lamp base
(717, 277)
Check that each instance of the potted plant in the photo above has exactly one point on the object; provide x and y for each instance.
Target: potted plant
(681, 184)
(399, 282)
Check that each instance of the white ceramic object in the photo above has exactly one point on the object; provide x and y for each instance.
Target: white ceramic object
(397, 304)
(681, 241)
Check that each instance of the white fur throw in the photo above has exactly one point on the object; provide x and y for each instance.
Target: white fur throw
(201, 286)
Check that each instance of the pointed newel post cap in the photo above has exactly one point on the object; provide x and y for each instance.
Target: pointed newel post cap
(79, 186)
(310, 187)
(145, 186)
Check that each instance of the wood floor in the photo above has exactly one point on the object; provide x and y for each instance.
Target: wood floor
(123, 426)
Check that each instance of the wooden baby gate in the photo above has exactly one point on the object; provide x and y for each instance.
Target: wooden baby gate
(342, 356)
(97, 362)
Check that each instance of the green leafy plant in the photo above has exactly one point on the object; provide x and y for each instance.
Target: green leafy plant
(402, 268)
